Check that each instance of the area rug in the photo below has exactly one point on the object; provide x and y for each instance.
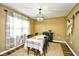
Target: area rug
(54, 49)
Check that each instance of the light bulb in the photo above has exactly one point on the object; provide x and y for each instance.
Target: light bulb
(39, 19)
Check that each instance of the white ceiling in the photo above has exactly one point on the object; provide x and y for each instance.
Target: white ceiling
(48, 9)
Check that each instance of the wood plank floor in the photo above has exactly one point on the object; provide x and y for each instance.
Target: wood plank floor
(65, 49)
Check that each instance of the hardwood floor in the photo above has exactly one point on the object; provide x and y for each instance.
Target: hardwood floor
(12, 51)
(66, 50)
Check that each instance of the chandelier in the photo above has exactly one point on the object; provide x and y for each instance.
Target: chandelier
(40, 16)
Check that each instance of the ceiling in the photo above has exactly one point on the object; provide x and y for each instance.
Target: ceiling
(50, 10)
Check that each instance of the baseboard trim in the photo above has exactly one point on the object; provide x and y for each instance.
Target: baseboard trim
(59, 41)
(53, 40)
(67, 45)
(71, 49)
(9, 50)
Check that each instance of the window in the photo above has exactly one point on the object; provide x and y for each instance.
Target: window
(16, 26)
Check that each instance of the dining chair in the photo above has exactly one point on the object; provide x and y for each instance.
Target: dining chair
(29, 36)
(36, 34)
(46, 44)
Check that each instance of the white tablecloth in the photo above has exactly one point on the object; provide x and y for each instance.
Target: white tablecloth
(36, 42)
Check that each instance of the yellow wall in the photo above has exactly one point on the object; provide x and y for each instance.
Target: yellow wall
(73, 41)
(3, 25)
(57, 25)
(32, 26)
(2, 30)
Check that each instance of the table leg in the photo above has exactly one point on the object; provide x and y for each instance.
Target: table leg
(28, 48)
(36, 52)
(44, 52)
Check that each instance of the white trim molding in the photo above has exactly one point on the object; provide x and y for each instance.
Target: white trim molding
(9, 50)
(59, 41)
(67, 45)
(71, 49)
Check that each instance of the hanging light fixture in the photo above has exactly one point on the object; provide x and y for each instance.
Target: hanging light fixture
(40, 16)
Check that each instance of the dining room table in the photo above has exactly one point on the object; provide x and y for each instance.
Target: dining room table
(35, 42)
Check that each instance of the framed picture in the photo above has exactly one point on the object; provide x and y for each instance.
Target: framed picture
(73, 22)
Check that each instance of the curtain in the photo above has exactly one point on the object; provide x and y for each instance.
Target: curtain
(16, 26)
